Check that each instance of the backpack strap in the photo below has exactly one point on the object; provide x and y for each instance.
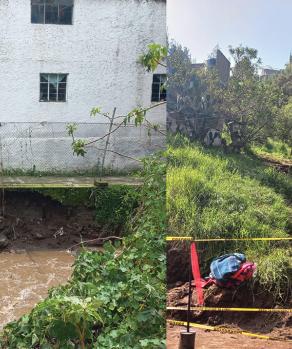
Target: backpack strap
(204, 283)
(245, 270)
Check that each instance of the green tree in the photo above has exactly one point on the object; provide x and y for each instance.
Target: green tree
(284, 80)
(190, 90)
(283, 120)
(249, 104)
(284, 123)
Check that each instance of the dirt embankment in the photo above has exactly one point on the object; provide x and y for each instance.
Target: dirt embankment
(282, 165)
(246, 296)
(242, 297)
(33, 221)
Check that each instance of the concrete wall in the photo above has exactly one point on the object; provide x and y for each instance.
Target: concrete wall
(46, 147)
(99, 52)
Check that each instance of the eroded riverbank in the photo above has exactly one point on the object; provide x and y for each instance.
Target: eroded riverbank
(36, 233)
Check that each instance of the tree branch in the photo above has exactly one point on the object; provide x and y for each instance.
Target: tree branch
(97, 239)
(123, 122)
(125, 156)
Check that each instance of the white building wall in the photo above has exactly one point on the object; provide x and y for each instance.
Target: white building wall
(99, 52)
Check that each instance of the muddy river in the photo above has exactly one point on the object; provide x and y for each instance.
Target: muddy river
(35, 234)
(25, 278)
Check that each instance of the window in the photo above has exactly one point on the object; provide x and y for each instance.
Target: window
(158, 88)
(53, 87)
(51, 11)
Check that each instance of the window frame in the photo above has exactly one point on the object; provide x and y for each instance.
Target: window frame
(44, 14)
(57, 88)
(162, 80)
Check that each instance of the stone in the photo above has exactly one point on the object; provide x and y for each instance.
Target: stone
(20, 251)
(39, 236)
(3, 241)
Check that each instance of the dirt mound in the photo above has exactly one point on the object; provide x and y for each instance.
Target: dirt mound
(177, 263)
(33, 221)
(242, 297)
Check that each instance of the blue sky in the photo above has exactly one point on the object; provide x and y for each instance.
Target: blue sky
(265, 25)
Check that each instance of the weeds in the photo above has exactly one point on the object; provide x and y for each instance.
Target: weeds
(114, 205)
(210, 194)
(279, 150)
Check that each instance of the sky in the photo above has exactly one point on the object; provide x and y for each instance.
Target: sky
(200, 25)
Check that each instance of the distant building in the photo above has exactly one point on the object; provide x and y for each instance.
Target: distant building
(222, 64)
(198, 66)
(268, 72)
(219, 62)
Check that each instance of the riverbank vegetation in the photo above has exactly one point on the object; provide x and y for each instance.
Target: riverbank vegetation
(116, 297)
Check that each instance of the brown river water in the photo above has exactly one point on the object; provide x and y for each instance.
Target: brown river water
(26, 277)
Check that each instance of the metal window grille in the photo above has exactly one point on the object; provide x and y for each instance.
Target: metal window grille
(158, 88)
(53, 87)
(51, 11)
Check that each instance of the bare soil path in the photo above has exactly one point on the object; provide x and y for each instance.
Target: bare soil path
(216, 340)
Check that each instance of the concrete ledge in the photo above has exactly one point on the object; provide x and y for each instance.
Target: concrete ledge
(27, 182)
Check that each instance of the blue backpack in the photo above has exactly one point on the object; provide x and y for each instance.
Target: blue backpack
(223, 267)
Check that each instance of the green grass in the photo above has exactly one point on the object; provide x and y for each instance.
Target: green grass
(279, 150)
(211, 194)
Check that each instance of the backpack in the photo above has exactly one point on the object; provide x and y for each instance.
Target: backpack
(230, 270)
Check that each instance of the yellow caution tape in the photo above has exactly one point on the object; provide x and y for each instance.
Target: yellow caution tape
(226, 330)
(189, 238)
(277, 310)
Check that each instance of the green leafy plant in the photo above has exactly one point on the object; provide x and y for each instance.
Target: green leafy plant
(155, 56)
(116, 297)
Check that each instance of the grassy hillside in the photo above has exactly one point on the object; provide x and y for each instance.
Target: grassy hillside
(275, 149)
(211, 194)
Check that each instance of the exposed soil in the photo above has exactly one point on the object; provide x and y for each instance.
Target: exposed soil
(33, 221)
(35, 235)
(216, 340)
(282, 165)
(177, 263)
(272, 324)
